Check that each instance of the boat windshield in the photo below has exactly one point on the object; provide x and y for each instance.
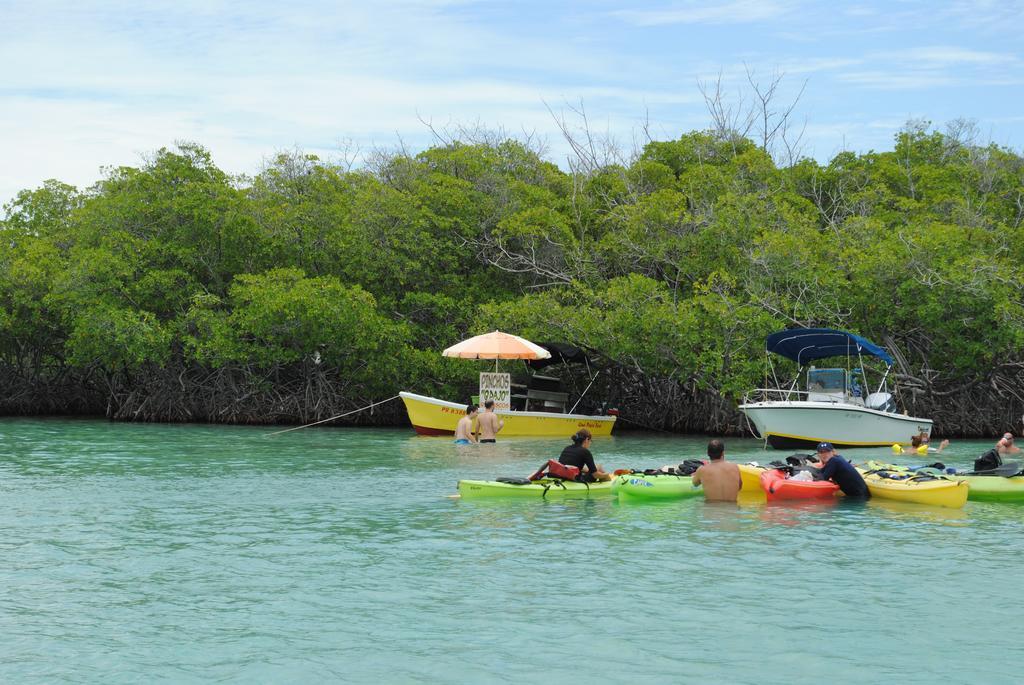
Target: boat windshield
(826, 380)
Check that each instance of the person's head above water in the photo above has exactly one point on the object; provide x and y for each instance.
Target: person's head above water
(489, 404)
(716, 448)
(471, 409)
(825, 451)
(581, 436)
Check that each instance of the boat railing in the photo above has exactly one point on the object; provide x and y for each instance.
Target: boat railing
(785, 394)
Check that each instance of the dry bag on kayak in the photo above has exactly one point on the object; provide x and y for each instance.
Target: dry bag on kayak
(988, 461)
(689, 467)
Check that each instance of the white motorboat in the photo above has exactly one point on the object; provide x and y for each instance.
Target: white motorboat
(833, 406)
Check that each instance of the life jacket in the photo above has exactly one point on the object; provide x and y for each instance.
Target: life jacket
(988, 461)
(556, 469)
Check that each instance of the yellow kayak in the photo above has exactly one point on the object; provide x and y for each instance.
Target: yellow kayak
(938, 492)
(751, 477)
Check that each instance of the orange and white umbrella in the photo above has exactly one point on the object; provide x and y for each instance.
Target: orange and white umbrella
(496, 345)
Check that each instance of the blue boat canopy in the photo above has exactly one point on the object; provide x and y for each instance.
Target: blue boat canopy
(804, 345)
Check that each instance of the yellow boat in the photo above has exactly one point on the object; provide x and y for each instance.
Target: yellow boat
(431, 416)
(935, 492)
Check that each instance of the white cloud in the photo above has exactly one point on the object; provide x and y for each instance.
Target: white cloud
(899, 79)
(100, 83)
(947, 55)
(736, 12)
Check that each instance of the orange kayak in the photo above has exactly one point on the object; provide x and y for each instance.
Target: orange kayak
(778, 487)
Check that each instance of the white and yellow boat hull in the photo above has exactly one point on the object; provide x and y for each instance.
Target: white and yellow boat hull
(798, 424)
(431, 416)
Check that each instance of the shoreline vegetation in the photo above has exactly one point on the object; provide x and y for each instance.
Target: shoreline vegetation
(175, 292)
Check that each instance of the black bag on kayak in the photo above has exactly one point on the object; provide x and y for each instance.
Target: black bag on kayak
(688, 467)
(511, 480)
(988, 461)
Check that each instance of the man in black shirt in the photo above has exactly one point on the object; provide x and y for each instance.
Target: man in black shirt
(841, 472)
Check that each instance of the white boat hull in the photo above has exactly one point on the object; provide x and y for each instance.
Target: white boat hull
(797, 424)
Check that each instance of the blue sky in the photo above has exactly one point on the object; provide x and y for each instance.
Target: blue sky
(91, 84)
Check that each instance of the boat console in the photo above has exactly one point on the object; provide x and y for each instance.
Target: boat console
(539, 393)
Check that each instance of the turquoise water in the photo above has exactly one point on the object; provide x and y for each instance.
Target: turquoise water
(151, 553)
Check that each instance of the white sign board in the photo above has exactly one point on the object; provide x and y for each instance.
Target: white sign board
(497, 387)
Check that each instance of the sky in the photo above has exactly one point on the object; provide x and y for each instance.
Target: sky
(102, 83)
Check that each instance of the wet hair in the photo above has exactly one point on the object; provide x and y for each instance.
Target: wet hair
(581, 435)
(488, 404)
(915, 441)
(470, 408)
(716, 448)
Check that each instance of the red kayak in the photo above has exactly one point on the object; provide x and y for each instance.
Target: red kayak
(777, 486)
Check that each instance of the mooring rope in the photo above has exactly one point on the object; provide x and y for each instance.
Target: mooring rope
(339, 416)
(644, 425)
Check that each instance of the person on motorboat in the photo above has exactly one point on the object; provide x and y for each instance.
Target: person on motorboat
(841, 472)
(464, 428)
(721, 479)
(578, 454)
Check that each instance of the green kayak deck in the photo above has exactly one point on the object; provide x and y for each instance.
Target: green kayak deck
(994, 488)
(546, 488)
(637, 486)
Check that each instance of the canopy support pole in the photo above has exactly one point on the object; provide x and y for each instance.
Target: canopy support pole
(584, 393)
(886, 375)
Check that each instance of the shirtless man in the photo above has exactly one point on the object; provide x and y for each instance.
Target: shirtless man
(720, 478)
(489, 424)
(464, 429)
(1005, 445)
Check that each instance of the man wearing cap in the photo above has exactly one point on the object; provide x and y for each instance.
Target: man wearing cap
(841, 472)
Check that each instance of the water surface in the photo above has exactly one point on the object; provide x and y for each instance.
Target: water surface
(151, 553)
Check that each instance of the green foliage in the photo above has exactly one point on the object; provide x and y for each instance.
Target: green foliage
(282, 317)
(117, 339)
(30, 325)
(45, 211)
(674, 266)
(177, 211)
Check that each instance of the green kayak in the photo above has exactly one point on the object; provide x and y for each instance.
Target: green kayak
(545, 488)
(994, 488)
(637, 486)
